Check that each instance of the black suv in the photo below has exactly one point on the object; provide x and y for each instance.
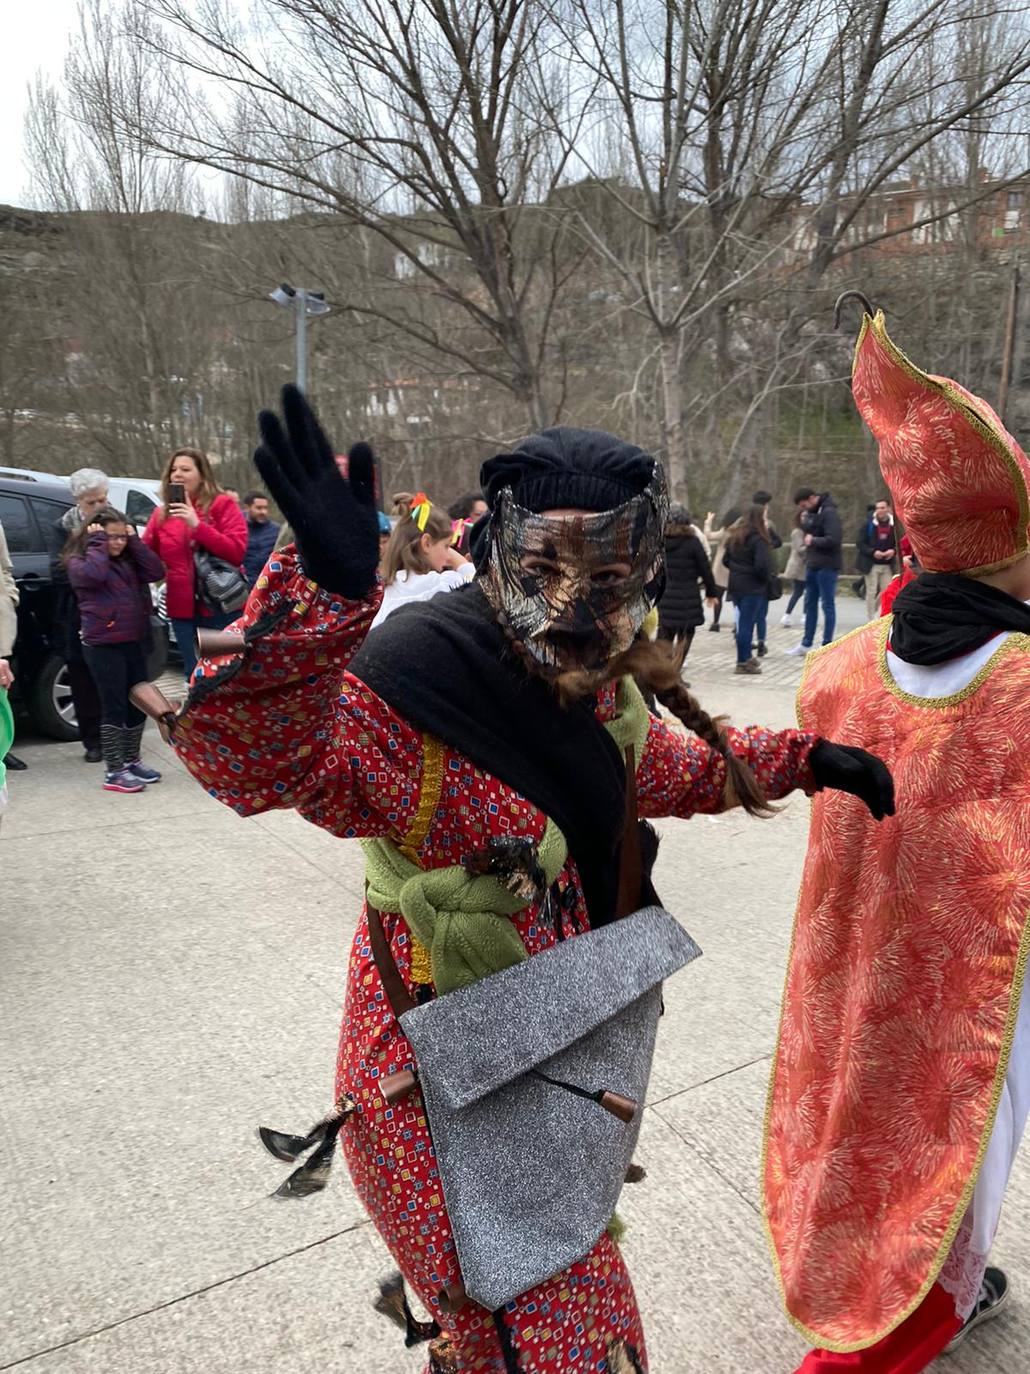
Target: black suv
(28, 510)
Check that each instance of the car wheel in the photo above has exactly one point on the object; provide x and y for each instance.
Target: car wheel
(50, 701)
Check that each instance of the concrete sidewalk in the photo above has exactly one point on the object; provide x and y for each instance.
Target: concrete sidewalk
(172, 975)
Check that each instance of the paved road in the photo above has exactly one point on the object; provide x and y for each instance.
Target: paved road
(172, 975)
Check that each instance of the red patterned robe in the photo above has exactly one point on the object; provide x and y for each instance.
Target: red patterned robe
(292, 728)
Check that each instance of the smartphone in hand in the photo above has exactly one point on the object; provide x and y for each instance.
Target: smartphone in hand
(176, 493)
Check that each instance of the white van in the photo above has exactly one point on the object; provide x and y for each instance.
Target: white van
(136, 496)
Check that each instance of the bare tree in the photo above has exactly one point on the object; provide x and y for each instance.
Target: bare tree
(751, 140)
(30, 362)
(712, 104)
(913, 71)
(625, 214)
(131, 312)
(415, 122)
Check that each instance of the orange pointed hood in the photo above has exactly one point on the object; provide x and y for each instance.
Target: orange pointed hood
(958, 478)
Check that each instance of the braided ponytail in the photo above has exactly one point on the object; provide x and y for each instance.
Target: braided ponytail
(659, 666)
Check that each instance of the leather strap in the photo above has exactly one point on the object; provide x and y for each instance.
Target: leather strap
(397, 994)
(631, 869)
(630, 880)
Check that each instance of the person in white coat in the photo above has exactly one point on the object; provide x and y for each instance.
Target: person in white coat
(420, 560)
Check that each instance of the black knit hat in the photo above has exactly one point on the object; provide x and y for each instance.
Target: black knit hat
(565, 467)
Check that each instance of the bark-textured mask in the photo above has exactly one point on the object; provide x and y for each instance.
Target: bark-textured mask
(555, 580)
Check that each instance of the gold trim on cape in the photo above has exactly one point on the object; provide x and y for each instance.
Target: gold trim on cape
(1015, 996)
(1012, 643)
(846, 1347)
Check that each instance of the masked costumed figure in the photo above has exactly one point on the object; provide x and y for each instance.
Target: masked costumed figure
(476, 743)
(902, 1077)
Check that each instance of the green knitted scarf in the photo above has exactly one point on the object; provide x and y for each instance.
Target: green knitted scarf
(462, 918)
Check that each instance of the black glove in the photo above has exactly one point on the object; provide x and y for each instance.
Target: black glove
(333, 517)
(853, 770)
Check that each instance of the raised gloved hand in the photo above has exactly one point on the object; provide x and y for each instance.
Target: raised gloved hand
(333, 517)
(847, 769)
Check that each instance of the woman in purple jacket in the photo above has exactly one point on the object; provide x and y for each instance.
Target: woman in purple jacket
(110, 568)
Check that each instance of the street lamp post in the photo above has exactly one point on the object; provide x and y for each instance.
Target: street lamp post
(302, 303)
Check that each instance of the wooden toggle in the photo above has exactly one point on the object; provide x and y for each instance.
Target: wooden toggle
(453, 1298)
(622, 1107)
(397, 1085)
(216, 643)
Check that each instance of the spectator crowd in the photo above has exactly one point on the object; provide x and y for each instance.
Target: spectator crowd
(208, 548)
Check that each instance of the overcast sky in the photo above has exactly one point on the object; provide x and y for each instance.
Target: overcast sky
(36, 35)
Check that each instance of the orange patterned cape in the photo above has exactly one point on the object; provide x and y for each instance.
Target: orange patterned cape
(904, 980)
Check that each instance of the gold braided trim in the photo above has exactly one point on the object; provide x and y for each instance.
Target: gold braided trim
(979, 423)
(429, 797)
(1014, 644)
(421, 970)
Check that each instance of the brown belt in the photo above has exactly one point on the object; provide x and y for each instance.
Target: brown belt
(394, 986)
(627, 901)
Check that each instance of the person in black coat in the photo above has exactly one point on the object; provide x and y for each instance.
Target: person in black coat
(687, 569)
(748, 556)
(820, 521)
(876, 554)
(763, 498)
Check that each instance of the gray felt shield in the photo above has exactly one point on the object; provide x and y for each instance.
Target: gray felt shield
(531, 1172)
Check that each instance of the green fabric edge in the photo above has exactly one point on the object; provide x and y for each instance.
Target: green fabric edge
(462, 919)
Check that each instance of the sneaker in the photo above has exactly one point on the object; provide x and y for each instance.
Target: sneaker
(762, 648)
(994, 1294)
(141, 772)
(749, 669)
(798, 650)
(93, 756)
(122, 781)
(787, 621)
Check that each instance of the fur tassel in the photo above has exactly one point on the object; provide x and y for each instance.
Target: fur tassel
(313, 1175)
(287, 1147)
(623, 1358)
(443, 1358)
(392, 1303)
(659, 664)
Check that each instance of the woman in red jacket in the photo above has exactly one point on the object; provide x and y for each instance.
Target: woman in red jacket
(210, 519)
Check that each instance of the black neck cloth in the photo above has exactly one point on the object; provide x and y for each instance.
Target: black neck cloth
(941, 616)
(446, 667)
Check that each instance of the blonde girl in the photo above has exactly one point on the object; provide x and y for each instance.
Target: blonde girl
(420, 559)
